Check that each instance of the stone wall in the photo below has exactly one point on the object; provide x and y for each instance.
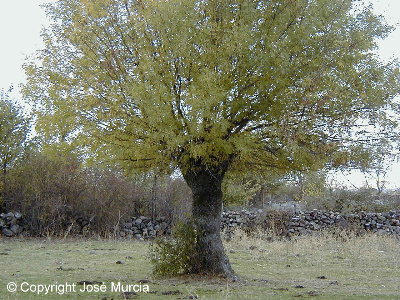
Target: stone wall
(281, 222)
(297, 223)
(11, 224)
(284, 223)
(383, 223)
(144, 228)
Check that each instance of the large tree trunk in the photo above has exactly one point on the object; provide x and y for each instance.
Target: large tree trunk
(207, 206)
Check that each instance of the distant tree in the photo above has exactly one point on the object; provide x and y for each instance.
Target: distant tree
(310, 185)
(240, 189)
(209, 86)
(14, 129)
(380, 158)
(247, 187)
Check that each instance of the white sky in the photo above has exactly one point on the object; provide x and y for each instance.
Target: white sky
(20, 25)
(22, 20)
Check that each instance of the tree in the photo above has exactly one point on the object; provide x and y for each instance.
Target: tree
(211, 86)
(380, 159)
(14, 129)
(248, 187)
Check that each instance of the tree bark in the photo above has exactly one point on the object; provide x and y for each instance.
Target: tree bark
(205, 184)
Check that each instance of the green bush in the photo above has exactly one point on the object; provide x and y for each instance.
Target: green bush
(175, 255)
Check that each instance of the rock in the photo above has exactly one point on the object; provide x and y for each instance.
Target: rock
(143, 281)
(8, 216)
(129, 295)
(315, 226)
(381, 232)
(15, 228)
(177, 292)
(7, 232)
(89, 282)
(128, 225)
(128, 231)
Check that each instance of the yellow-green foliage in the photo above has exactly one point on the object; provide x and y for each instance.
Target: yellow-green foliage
(241, 187)
(239, 192)
(267, 83)
(14, 128)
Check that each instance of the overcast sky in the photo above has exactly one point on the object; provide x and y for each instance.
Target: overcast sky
(22, 20)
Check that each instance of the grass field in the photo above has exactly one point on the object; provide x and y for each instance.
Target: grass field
(311, 267)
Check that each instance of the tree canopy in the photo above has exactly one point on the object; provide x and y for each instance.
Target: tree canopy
(271, 83)
(14, 129)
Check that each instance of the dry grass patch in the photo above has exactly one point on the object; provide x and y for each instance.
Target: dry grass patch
(318, 267)
(337, 263)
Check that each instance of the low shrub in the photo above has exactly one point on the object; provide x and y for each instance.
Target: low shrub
(174, 255)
